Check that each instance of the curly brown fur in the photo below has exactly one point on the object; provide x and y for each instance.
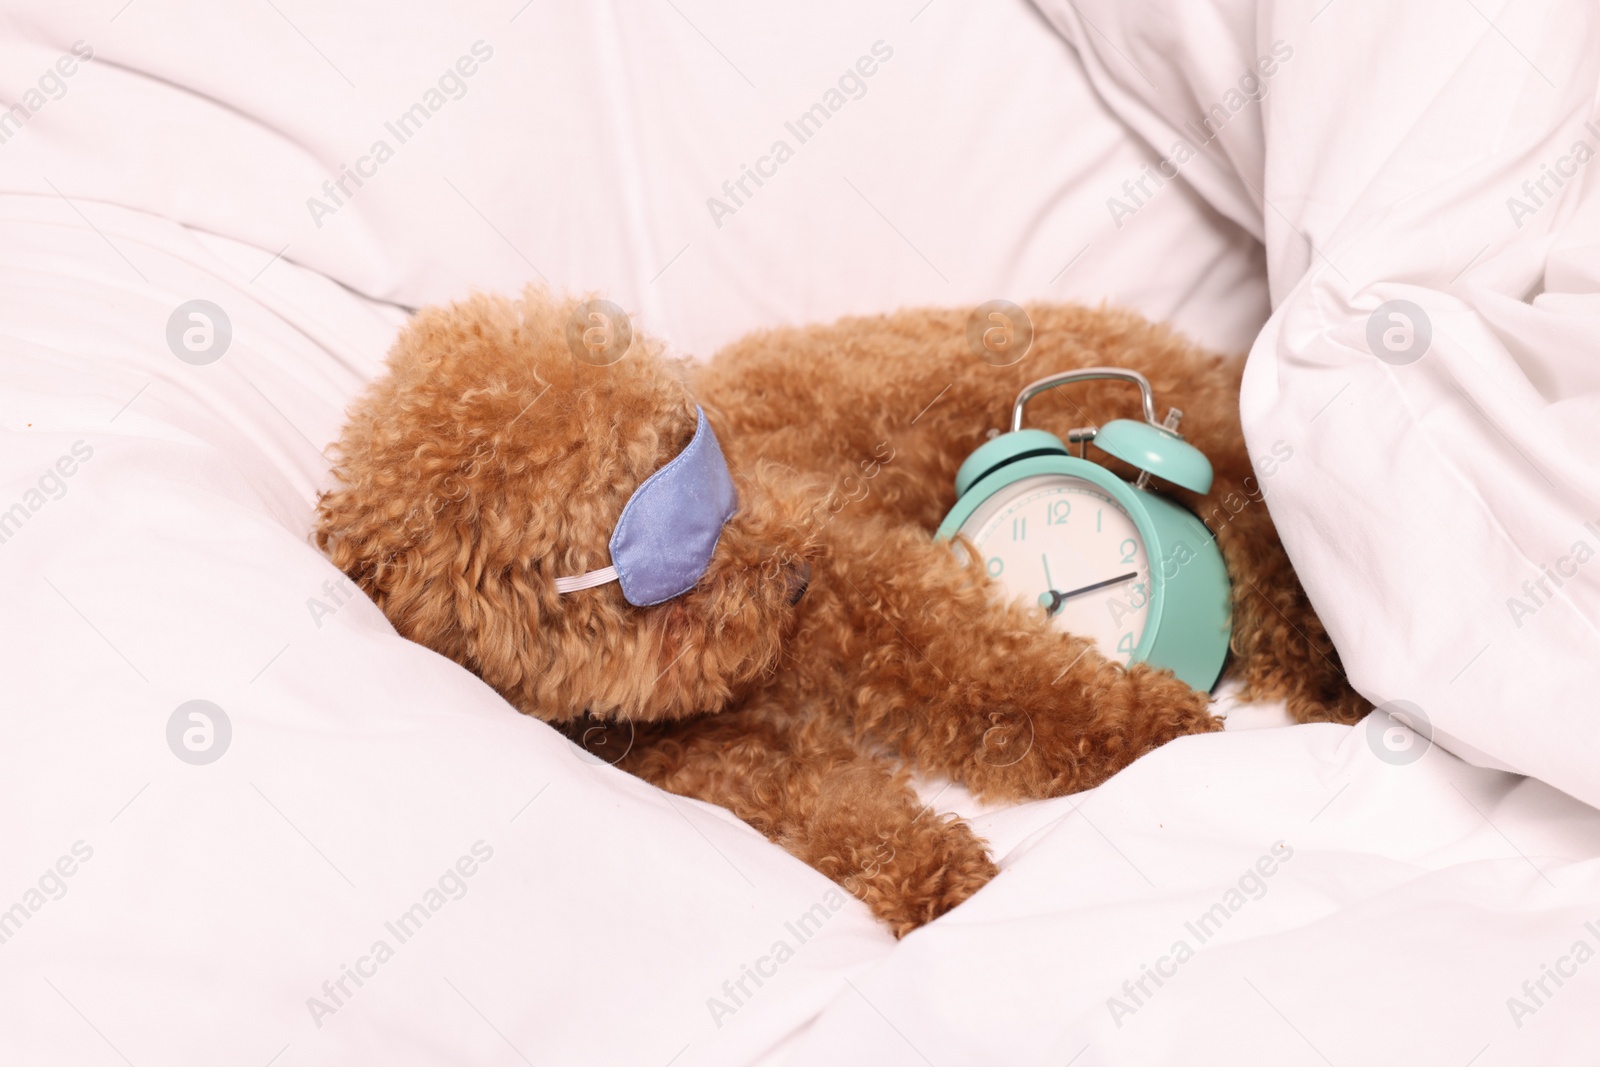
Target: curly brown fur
(490, 461)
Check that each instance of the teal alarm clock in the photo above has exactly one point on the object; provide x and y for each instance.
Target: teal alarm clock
(1104, 558)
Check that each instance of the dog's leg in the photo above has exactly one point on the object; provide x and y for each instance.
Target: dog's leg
(960, 683)
(805, 786)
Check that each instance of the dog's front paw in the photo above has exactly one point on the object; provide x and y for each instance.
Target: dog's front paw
(916, 875)
(1069, 739)
(1166, 709)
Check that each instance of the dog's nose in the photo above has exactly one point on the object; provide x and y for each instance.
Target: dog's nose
(799, 579)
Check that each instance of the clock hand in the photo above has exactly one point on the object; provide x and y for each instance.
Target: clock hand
(1058, 598)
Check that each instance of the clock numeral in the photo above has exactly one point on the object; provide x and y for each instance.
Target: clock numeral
(996, 565)
(1098, 512)
(1059, 510)
(1137, 596)
(1129, 547)
(1019, 529)
(1126, 644)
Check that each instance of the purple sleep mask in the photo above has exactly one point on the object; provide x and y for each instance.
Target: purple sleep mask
(663, 542)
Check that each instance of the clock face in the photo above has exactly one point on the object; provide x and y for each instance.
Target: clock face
(1066, 545)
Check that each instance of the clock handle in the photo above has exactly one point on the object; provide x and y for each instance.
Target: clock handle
(1152, 447)
(1033, 389)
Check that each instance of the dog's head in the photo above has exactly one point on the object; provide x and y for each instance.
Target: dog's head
(492, 460)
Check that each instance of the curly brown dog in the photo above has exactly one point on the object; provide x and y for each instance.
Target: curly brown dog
(491, 461)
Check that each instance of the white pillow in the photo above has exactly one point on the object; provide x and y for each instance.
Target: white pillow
(489, 145)
(1443, 505)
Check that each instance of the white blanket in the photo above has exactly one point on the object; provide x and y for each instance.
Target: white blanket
(1423, 178)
